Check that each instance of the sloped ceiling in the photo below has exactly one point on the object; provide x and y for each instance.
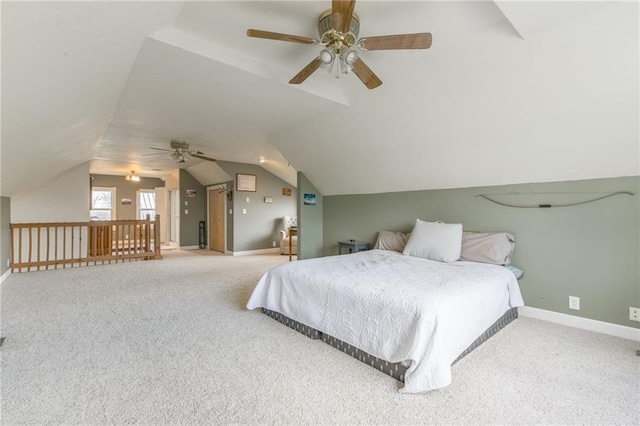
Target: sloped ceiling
(510, 92)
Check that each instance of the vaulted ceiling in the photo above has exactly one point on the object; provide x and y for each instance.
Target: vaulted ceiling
(509, 92)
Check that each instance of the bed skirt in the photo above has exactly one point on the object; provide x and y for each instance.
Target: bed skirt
(312, 333)
(393, 369)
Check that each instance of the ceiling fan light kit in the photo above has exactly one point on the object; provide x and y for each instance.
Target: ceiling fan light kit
(338, 28)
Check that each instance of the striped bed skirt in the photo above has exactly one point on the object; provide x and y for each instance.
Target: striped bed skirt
(393, 369)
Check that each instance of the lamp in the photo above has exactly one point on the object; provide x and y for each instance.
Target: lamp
(132, 177)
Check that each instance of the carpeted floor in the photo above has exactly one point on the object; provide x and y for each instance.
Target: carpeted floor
(170, 342)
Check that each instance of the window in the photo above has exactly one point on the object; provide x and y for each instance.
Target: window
(103, 206)
(146, 203)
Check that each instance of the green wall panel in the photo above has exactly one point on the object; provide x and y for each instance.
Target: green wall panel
(309, 220)
(590, 250)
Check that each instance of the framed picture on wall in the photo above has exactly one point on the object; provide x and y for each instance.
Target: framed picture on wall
(310, 199)
(245, 183)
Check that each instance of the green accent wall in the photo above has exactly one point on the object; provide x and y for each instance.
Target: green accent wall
(196, 207)
(259, 228)
(591, 250)
(5, 233)
(309, 220)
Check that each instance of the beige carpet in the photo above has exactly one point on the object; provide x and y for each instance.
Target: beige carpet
(169, 342)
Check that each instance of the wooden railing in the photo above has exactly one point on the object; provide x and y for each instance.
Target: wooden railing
(36, 246)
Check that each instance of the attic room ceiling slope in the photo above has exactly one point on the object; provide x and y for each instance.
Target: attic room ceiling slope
(533, 18)
(64, 66)
(495, 109)
(103, 81)
(224, 111)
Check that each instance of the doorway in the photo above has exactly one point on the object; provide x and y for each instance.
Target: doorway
(216, 221)
(174, 230)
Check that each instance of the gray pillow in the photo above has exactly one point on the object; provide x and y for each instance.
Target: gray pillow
(389, 240)
(495, 247)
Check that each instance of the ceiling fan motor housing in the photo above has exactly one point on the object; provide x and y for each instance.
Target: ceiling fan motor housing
(179, 145)
(325, 24)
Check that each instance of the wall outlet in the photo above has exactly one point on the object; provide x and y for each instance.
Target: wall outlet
(574, 303)
(244, 211)
(186, 211)
(247, 199)
(230, 211)
(634, 314)
(273, 243)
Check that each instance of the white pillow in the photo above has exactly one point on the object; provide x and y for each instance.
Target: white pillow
(435, 241)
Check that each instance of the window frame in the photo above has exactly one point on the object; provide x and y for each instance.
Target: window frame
(139, 210)
(112, 190)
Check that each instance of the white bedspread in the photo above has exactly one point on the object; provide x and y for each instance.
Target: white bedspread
(394, 307)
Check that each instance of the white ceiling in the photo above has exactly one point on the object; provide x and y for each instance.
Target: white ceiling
(510, 92)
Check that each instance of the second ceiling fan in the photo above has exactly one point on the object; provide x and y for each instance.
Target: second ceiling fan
(338, 29)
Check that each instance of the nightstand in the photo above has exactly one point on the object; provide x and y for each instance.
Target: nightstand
(353, 246)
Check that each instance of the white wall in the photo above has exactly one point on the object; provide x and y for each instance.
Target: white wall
(65, 199)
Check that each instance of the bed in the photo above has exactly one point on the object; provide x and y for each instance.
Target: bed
(394, 311)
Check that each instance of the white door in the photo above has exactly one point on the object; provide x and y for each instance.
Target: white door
(174, 233)
(162, 209)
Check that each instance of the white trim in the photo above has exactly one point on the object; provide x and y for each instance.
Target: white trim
(145, 191)
(114, 200)
(251, 252)
(189, 247)
(5, 275)
(583, 323)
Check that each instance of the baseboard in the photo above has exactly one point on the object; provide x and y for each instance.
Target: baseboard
(5, 275)
(583, 323)
(189, 247)
(251, 252)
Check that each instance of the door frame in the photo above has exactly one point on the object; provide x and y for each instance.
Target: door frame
(224, 216)
(174, 219)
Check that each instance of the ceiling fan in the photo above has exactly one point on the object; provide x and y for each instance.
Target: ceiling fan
(180, 152)
(338, 29)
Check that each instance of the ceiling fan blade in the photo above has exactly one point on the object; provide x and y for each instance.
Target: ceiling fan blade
(202, 157)
(161, 149)
(306, 72)
(341, 14)
(282, 37)
(398, 41)
(365, 74)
